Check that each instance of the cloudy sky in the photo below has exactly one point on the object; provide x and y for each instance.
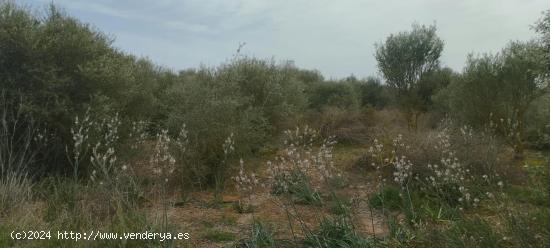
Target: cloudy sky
(336, 37)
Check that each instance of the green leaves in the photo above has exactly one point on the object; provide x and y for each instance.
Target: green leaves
(405, 57)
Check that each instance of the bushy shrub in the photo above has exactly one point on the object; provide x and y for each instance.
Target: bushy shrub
(250, 98)
(498, 89)
(346, 125)
(338, 94)
(60, 67)
(373, 93)
(273, 88)
(537, 128)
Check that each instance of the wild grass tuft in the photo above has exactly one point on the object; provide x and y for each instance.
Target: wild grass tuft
(15, 190)
(261, 236)
(337, 232)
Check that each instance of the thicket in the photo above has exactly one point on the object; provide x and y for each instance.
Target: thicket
(54, 68)
(78, 114)
(473, 97)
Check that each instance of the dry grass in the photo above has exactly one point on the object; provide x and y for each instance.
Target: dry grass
(15, 191)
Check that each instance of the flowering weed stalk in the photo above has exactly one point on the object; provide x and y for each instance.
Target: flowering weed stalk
(245, 184)
(80, 132)
(220, 170)
(138, 134)
(103, 157)
(512, 130)
(441, 178)
(301, 170)
(393, 158)
(163, 163)
(181, 143)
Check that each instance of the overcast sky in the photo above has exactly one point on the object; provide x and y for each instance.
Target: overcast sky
(336, 37)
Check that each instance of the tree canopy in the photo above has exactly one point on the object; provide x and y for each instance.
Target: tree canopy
(404, 58)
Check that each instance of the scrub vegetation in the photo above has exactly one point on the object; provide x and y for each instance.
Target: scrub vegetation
(260, 153)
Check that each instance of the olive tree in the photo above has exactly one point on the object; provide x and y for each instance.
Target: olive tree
(404, 59)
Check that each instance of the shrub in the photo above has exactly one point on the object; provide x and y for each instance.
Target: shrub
(537, 128)
(248, 97)
(333, 94)
(346, 125)
(373, 93)
(59, 67)
(499, 89)
(274, 89)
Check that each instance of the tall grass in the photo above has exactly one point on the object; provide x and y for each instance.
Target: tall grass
(19, 146)
(15, 190)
